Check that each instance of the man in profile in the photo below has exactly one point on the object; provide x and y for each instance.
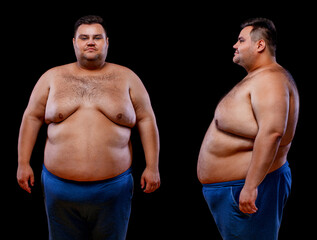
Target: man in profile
(90, 107)
(243, 158)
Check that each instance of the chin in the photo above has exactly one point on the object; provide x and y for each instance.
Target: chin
(236, 60)
(91, 57)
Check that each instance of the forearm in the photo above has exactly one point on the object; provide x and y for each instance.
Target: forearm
(29, 129)
(150, 141)
(264, 152)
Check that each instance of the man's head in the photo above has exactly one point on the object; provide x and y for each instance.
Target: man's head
(90, 41)
(257, 36)
(90, 19)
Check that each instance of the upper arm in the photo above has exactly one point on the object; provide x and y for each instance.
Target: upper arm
(37, 102)
(140, 99)
(270, 103)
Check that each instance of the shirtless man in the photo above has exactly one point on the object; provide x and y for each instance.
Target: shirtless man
(90, 107)
(243, 158)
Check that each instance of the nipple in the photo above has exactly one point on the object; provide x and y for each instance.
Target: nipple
(60, 116)
(119, 116)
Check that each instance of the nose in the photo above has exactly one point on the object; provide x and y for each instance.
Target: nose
(235, 46)
(91, 42)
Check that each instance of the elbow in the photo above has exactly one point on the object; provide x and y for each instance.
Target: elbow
(271, 135)
(276, 136)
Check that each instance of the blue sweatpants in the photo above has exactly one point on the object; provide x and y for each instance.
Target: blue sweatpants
(87, 210)
(223, 202)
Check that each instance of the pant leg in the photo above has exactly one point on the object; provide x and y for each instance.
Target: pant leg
(223, 200)
(64, 218)
(231, 222)
(273, 193)
(109, 217)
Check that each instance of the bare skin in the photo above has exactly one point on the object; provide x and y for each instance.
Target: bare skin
(90, 107)
(253, 125)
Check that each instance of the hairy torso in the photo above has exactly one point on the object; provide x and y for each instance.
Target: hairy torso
(89, 121)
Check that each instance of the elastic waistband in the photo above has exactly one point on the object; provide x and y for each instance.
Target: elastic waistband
(280, 170)
(127, 172)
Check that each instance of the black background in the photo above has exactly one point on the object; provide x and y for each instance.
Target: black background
(183, 54)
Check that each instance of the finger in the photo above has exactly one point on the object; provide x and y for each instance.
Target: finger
(32, 180)
(27, 182)
(152, 187)
(245, 210)
(149, 188)
(25, 186)
(28, 189)
(248, 208)
(142, 183)
(254, 208)
(156, 185)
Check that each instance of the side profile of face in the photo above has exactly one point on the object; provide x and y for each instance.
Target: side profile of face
(90, 44)
(244, 48)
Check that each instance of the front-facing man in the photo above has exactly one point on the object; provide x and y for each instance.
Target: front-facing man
(243, 159)
(90, 107)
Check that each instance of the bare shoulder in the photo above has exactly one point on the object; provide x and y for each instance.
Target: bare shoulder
(52, 73)
(273, 79)
(120, 69)
(41, 91)
(272, 88)
(124, 72)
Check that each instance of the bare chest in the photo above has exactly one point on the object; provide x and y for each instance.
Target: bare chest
(107, 94)
(234, 113)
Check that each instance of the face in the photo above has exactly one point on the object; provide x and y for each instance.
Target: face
(244, 48)
(90, 43)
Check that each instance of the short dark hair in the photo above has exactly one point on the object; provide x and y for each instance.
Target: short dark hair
(90, 19)
(263, 28)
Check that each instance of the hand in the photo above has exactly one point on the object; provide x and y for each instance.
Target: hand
(150, 180)
(247, 200)
(25, 176)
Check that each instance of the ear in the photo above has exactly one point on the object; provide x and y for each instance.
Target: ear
(261, 45)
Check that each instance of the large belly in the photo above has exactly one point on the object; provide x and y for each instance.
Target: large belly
(227, 157)
(87, 146)
(224, 144)
(223, 156)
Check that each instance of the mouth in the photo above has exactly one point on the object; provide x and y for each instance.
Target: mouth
(90, 49)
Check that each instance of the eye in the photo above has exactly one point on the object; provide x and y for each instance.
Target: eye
(83, 38)
(98, 37)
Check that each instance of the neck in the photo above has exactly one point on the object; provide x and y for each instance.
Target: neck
(260, 63)
(91, 65)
